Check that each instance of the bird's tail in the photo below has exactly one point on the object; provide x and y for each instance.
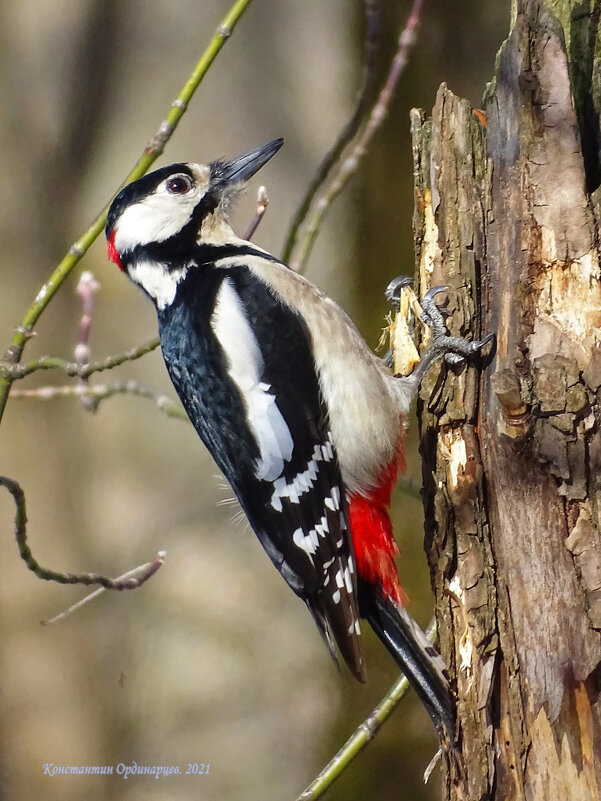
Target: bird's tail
(418, 659)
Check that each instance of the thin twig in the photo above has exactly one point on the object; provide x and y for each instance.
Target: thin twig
(130, 581)
(87, 287)
(99, 392)
(143, 572)
(16, 371)
(262, 203)
(371, 48)
(152, 150)
(362, 735)
(347, 166)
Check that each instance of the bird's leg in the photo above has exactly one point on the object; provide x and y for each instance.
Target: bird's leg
(443, 346)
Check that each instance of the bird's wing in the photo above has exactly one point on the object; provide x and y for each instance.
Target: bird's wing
(293, 495)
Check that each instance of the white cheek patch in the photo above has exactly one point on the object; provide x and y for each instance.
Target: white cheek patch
(154, 219)
(161, 215)
(157, 281)
(245, 365)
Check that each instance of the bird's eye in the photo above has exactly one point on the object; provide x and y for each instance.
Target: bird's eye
(179, 184)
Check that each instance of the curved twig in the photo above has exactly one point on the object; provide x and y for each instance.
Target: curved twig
(370, 52)
(129, 581)
(348, 165)
(99, 392)
(16, 371)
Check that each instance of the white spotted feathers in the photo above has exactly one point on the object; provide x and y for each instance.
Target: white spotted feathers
(297, 412)
(304, 481)
(245, 361)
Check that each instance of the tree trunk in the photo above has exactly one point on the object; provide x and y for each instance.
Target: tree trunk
(507, 216)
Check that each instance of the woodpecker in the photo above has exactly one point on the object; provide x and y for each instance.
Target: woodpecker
(304, 421)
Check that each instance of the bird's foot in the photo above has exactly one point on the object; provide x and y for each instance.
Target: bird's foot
(454, 350)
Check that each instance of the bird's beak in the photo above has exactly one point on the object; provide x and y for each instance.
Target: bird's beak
(244, 167)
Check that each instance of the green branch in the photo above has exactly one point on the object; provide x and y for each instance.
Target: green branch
(151, 152)
(362, 735)
(17, 371)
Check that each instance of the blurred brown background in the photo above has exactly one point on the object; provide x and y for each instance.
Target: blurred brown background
(214, 660)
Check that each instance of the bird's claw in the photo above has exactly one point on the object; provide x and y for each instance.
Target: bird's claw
(394, 288)
(454, 350)
(431, 293)
(477, 345)
(458, 349)
(431, 314)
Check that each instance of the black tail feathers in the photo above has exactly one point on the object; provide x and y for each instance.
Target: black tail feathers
(418, 659)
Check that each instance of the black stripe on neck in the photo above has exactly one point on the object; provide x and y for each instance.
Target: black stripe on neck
(176, 252)
(205, 253)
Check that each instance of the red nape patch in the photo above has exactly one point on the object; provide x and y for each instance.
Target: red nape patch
(373, 540)
(112, 251)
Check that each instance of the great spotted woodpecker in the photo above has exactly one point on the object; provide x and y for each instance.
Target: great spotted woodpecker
(305, 422)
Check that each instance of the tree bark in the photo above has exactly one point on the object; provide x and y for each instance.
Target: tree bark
(507, 216)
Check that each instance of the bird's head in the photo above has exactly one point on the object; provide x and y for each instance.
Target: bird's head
(158, 219)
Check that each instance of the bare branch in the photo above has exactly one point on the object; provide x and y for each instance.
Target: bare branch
(16, 371)
(99, 392)
(151, 152)
(129, 581)
(141, 573)
(346, 166)
(87, 287)
(371, 48)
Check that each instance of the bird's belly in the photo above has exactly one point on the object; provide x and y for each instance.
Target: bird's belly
(367, 425)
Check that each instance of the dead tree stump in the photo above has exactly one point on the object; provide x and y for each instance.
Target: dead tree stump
(507, 216)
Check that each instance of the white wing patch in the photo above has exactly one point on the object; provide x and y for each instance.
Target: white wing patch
(157, 280)
(245, 365)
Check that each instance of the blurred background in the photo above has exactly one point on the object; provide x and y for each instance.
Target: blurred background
(214, 660)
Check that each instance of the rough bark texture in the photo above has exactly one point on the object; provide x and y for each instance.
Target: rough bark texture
(507, 216)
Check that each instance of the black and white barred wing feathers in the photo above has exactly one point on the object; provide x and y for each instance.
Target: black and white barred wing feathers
(300, 511)
(276, 450)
